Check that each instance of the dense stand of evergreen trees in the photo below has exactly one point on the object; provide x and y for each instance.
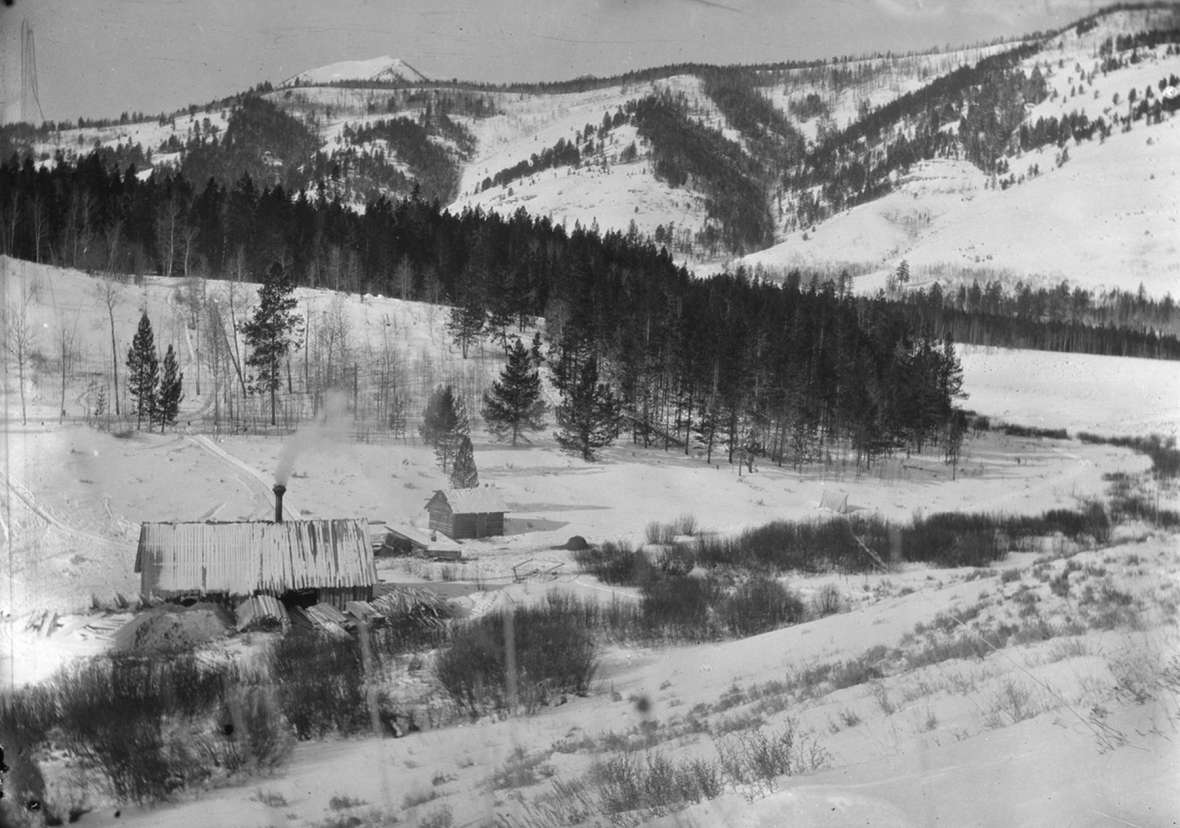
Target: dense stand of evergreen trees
(157, 398)
(409, 142)
(1114, 323)
(781, 370)
(260, 140)
(734, 365)
(975, 113)
(985, 103)
(561, 154)
(732, 182)
(771, 136)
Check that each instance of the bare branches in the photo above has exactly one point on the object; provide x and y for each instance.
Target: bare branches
(19, 342)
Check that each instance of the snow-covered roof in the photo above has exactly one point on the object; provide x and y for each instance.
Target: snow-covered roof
(482, 500)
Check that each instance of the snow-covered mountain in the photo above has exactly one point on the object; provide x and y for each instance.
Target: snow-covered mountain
(384, 69)
(848, 164)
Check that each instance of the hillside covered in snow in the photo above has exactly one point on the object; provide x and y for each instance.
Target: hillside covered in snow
(722, 446)
(981, 160)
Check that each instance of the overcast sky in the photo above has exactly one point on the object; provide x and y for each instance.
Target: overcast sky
(97, 58)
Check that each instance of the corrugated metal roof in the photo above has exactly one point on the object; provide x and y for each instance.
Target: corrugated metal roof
(241, 558)
(482, 500)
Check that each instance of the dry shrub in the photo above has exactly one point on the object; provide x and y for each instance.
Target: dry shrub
(760, 604)
(616, 563)
(758, 758)
(828, 601)
(653, 783)
(320, 683)
(553, 654)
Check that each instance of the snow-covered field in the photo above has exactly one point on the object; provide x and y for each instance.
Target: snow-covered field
(1077, 392)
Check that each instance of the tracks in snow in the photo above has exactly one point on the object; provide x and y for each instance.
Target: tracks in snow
(265, 481)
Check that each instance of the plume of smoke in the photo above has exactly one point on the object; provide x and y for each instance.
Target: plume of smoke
(329, 428)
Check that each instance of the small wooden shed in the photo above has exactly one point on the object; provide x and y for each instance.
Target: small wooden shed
(467, 513)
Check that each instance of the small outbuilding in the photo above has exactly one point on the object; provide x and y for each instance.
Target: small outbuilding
(404, 539)
(467, 513)
(299, 562)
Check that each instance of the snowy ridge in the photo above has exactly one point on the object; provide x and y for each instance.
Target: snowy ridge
(1106, 219)
(1102, 219)
(384, 69)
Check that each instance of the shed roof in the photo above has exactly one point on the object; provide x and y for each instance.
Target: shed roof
(259, 609)
(483, 500)
(239, 558)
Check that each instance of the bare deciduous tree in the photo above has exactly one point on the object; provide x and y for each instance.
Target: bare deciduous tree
(78, 232)
(67, 338)
(168, 232)
(19, 341)
(108, 294)
(13, 221)
(40, 217)
(191, 298)
(236, 306)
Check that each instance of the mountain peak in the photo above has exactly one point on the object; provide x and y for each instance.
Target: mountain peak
(385, 68)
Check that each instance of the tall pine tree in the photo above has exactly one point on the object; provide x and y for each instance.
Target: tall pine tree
(444, 424)
(170, 392)
(143, 371)
(466, 323)
(463, 472)
(439, 417)
(590, 415)
(270, 332)
(513, 404)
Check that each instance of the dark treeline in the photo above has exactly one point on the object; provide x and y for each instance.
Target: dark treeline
(985, 102)
(1139, 40)
(734, 365)
(1113, 323)
(683, 150)
(588, 83)
(772, 137)
(984, 106)
(410, 137)
(433, 102)
(1075, 125)
(982, 328)
(433, 167)
(562, 154)
(272, 146)
(808, 107)
(260, 141)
